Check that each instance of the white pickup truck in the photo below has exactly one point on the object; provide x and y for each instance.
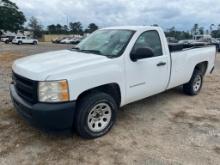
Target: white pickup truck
(84, 87)
(24, 40)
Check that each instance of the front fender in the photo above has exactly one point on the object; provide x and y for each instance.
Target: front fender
(94, 76)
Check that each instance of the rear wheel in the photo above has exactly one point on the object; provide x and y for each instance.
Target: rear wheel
(35, 43)
(7, 41)
(194, 86)
(96, 114)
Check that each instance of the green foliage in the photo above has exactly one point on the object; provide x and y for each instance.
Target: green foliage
(91, 28)
(76, 28)
(57, 29)
(35, 27)
(11, 18)
(179, 35)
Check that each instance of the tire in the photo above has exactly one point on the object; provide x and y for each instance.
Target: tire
(194, 86)
(7, 42)
(87, 115)
(35, 43)
(19, 42)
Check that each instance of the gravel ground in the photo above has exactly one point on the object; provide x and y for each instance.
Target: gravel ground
(169, 128)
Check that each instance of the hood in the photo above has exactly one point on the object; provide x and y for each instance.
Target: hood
(38, 67)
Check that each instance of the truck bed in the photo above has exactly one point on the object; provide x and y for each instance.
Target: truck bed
(183, 63)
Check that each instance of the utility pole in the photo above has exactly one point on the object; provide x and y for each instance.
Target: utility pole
(67, 20)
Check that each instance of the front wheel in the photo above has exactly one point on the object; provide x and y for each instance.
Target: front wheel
(35, 43)
(19, 42)
(96, 114)
(194, 86)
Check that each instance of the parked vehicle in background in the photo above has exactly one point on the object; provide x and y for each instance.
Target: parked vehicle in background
(58, 40)
(207, 39)
(186, 41)
(172, 40)
(202, 40)
(70, 40)
(66, 40)
(4, 38)
(191, 43)
(218, 39)
(201, 37)
(24, 40)
(84, 87)
(211, 41)
(9, 39)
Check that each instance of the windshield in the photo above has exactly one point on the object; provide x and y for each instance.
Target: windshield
(109, 42)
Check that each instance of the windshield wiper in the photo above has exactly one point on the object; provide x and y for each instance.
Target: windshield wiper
(75, 48)
(88, 51)
(91, 51)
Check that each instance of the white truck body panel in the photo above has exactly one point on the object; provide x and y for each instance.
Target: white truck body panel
(184, 62)
(136, 80)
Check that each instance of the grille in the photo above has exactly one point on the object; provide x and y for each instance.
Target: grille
(25, 88)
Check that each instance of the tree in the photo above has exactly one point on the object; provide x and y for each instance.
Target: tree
(65, 29)
(179, 35)
(11, 18)
(201, 30)
(211, 27)
(218, 26)
(52, 29)
(195, 29)
(91, 28)
(35, 27)
(76, 28)
(59, 28)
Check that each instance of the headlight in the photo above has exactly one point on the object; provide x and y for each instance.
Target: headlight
(53, 91)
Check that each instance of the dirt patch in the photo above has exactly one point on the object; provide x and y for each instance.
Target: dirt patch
(169, 128)
(217, 150)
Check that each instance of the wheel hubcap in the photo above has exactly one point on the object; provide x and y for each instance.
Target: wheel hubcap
(99, 117)
(197, 83)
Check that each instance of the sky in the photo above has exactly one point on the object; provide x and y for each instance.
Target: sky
(182, 14)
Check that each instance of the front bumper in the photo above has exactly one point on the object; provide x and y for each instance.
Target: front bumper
(52, 116)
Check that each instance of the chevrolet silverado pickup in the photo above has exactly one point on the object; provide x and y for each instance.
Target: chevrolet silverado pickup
(83, 88)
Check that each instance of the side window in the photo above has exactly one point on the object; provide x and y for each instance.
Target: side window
(23, 37)
(149, 39)
(18, 37)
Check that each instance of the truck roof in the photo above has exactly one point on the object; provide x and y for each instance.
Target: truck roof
(136, 28)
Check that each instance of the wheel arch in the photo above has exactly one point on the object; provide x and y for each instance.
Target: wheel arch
(202, 66)
(113, 89)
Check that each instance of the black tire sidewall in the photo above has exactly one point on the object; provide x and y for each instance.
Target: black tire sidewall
(195, 74)
(84, 110)
(198, 74)
(189, 87)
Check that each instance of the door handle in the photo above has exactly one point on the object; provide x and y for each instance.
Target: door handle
(161, 63)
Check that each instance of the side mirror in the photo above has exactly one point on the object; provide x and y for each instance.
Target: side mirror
(141, 53)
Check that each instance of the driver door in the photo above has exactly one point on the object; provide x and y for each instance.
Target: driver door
(147, 76)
